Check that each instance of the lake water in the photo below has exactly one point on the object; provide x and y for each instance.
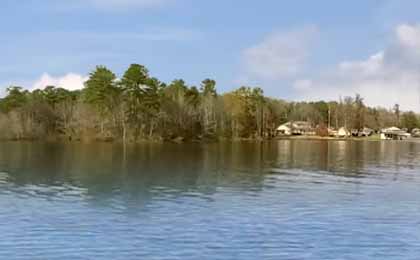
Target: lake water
(275, 200)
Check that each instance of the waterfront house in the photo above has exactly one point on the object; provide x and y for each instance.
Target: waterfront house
(394, 133)
(415, 132)
(343, 132)
(296, 128)
(284, 129)
(366, 132)
(332, 132)
(354, 132)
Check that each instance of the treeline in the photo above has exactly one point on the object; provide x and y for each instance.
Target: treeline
(139, 107)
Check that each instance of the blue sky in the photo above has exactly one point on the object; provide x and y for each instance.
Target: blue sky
(297, 50)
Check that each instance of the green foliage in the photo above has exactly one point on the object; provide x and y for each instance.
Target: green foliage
(208, 88)
(139, 106)
(101, 89)
(410, 120)
(16, 98)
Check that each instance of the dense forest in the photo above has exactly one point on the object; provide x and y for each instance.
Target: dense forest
(138, 107)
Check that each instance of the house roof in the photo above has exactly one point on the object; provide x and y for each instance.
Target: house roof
(393, 128)
(300, 125)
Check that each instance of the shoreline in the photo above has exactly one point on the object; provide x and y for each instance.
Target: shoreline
(206, 141)
(374, 138)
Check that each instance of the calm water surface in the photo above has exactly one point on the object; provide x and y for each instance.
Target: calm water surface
(276, 200)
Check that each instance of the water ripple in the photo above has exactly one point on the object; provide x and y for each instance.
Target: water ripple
(286, 200)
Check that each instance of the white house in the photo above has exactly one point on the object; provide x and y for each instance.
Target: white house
(415, 132)
(394, 133)
(284, 129)
(295, 128)
(343, 132)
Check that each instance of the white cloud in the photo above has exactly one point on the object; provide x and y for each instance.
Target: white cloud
(388, 77)
(373, 65)
(70, 81)
(280, 55)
